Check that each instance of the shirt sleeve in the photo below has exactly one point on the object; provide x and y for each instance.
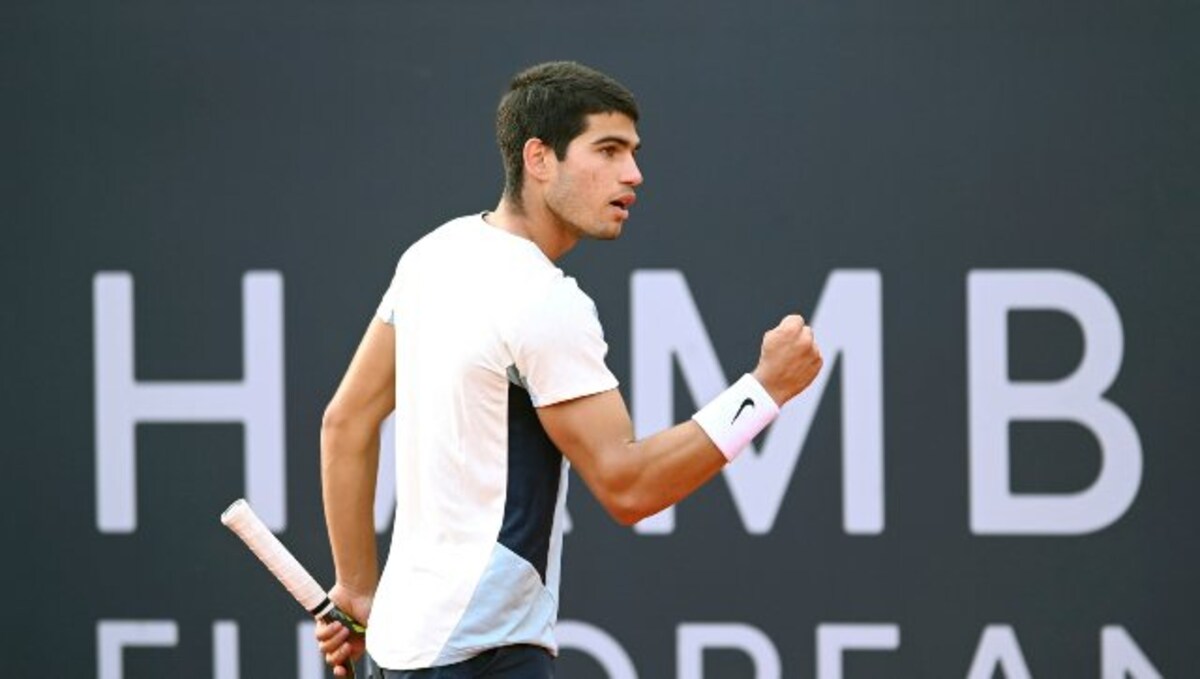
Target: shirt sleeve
(559, 349)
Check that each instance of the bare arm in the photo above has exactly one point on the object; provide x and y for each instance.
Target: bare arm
(631, 479)
(349, 467)
(634, 479)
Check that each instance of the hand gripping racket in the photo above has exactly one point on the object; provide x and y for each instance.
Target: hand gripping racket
(241, 519)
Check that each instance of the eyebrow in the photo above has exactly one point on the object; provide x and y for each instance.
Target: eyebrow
(620, 141)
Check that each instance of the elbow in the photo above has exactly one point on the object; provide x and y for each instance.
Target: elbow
(622, 509)
(342, 426)
(631, 509)
(346, 416)
(628, 515)
(332, 421)
(618, 492)
(631, 504)
(334, 418)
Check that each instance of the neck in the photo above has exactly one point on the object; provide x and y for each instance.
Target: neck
(533, 221)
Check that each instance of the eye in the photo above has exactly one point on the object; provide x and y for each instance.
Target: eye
(609, 151)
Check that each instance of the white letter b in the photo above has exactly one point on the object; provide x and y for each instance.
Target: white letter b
(995, 402)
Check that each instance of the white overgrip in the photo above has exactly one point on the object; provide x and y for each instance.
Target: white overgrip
(241, 519)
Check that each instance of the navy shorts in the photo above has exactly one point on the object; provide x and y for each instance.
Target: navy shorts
(505, 662)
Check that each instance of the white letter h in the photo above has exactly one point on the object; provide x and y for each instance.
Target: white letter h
(122, 401)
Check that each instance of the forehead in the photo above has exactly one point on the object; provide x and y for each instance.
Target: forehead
(613, 126)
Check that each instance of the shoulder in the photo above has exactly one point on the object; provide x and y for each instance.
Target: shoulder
(438, 248)
(560, 312)
(559, 348)
(447, 234)
(565, 297)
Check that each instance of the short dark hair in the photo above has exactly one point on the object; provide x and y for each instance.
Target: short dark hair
(551, 102)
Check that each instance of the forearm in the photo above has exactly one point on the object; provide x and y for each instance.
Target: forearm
(631, 478)
(349, 468)
(669, 466)
(634, 479)
(673, 463)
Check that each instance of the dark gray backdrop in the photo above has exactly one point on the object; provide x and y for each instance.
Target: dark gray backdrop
(190, 142)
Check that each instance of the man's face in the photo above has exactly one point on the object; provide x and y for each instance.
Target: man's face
(592, 188)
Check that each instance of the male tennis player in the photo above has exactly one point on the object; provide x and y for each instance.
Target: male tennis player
(493, 361)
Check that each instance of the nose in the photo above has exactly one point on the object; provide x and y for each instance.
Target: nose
(631, 174)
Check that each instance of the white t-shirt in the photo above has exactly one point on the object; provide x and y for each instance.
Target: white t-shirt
(487, 329)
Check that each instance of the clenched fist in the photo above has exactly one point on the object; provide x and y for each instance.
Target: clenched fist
(790, 359)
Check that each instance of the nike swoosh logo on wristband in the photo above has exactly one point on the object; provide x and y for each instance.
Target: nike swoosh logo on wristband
(748, 403)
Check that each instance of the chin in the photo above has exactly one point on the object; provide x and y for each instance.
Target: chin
(612, 233)
(615, 228)
(602, 232)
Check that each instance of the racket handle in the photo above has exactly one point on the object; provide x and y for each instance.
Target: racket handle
(335, 614)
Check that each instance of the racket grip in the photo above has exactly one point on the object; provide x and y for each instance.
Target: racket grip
(335, 614)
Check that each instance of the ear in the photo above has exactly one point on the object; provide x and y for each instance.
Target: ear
(540, 160)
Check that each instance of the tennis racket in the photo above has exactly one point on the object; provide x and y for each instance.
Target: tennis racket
(241, 519)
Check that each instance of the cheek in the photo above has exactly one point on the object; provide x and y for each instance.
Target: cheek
(576, 188)
(562, 197)
(590, 185)
(562, 189)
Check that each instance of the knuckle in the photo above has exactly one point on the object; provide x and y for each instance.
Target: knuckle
(795, 321)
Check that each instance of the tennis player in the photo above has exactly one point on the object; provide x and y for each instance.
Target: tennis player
(493, 361)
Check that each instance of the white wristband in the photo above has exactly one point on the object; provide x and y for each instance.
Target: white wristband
(737, 415)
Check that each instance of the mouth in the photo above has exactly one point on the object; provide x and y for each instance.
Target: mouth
(623, 203)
